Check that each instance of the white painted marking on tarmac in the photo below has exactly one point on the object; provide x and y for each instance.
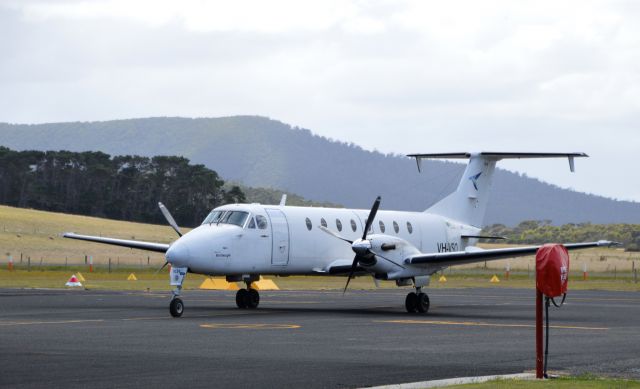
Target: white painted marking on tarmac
(482, 324)
(27, 323)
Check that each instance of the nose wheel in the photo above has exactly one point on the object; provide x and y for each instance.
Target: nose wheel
(176, 307)
(247, 298)
(417, 302)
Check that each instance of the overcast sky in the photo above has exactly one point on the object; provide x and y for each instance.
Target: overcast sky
(396, 76)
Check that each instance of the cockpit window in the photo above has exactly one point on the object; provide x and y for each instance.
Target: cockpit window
(213, 217)
(252, 223)
(237, 218)
(262, 222)
(234, 217)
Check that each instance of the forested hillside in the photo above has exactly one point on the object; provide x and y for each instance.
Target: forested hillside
(260, 152)
(122, 187)
(540, 232)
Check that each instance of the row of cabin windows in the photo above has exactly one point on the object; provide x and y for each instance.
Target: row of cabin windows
(354, 226)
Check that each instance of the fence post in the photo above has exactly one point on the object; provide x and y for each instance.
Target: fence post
(66, 262)
(28, 263)
(109, 264)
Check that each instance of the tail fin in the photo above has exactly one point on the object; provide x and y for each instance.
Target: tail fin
(468, 203)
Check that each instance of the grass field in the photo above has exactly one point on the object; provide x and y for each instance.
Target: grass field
(33, 238)
(561, 383)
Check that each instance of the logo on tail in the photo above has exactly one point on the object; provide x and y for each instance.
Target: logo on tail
(474, 180)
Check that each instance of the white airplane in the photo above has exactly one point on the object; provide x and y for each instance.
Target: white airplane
(245, 241)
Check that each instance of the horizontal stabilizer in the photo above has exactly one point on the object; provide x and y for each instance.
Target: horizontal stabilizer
(496, 156)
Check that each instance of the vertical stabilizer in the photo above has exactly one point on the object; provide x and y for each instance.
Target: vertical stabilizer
(468, 203)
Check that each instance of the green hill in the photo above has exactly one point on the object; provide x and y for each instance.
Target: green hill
(260, 152)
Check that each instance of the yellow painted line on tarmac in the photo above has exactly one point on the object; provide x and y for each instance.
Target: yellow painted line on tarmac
(481, 324)
(250, 326)
(27, 323)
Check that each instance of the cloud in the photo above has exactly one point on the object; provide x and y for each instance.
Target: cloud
(397, 76)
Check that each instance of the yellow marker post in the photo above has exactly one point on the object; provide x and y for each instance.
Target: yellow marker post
(132, 277)
(442, 278)
(264, 284)
(80, 277)
(218, 284)
(494, 279)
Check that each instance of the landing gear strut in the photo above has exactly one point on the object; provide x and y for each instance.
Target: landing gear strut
(417, 302)
(176, 306)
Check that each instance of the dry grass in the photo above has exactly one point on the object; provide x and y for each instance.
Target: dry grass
(37, 234)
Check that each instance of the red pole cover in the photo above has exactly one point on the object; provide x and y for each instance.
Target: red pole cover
(552, 278)
(552, 270)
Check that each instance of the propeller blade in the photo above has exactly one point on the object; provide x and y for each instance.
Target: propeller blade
(328, 231)
(170, 219)
(372, 215)
(159, 270)
(354, 265)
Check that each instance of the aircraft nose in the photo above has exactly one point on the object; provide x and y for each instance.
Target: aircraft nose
(178, 254)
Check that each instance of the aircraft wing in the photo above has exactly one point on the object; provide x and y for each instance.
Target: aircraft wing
(475, 254)
(134, 244)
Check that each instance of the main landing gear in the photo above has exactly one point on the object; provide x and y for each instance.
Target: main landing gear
(247, 298)
(417, 302)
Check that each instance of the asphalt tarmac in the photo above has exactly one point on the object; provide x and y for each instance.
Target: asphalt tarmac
(312, 339)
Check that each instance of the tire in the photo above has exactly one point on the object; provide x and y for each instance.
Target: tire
(242, 297)
(176, 307)
(253, 299)
(411, 302)
(422, 303)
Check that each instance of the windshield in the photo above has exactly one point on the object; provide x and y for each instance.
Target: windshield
(213, 217)
(237, 218)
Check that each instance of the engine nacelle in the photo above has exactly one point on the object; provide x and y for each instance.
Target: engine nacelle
(390, 252)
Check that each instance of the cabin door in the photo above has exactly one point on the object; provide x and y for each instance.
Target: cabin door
(280, 237)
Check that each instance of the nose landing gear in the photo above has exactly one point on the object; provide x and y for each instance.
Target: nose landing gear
(176, 307)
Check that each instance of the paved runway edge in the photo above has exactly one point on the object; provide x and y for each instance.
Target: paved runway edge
(456, 381)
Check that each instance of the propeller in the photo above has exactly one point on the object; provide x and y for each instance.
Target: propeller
(172, 223)
(170, 219)
(362, 247)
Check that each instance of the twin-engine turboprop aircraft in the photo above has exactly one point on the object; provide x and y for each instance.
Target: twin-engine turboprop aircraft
(245, 241)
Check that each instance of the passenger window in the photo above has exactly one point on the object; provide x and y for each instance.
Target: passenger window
(323, 223)
(353, 225)
(338, 224)
(252, 224)
(308, 224)
(409, 228)
(381, 226)
(396, 227)
(262, 222)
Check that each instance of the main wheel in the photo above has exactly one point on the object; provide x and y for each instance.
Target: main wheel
(253, 298)
(176, 307)
(411, 302)
(242, 298)
(423, 303)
